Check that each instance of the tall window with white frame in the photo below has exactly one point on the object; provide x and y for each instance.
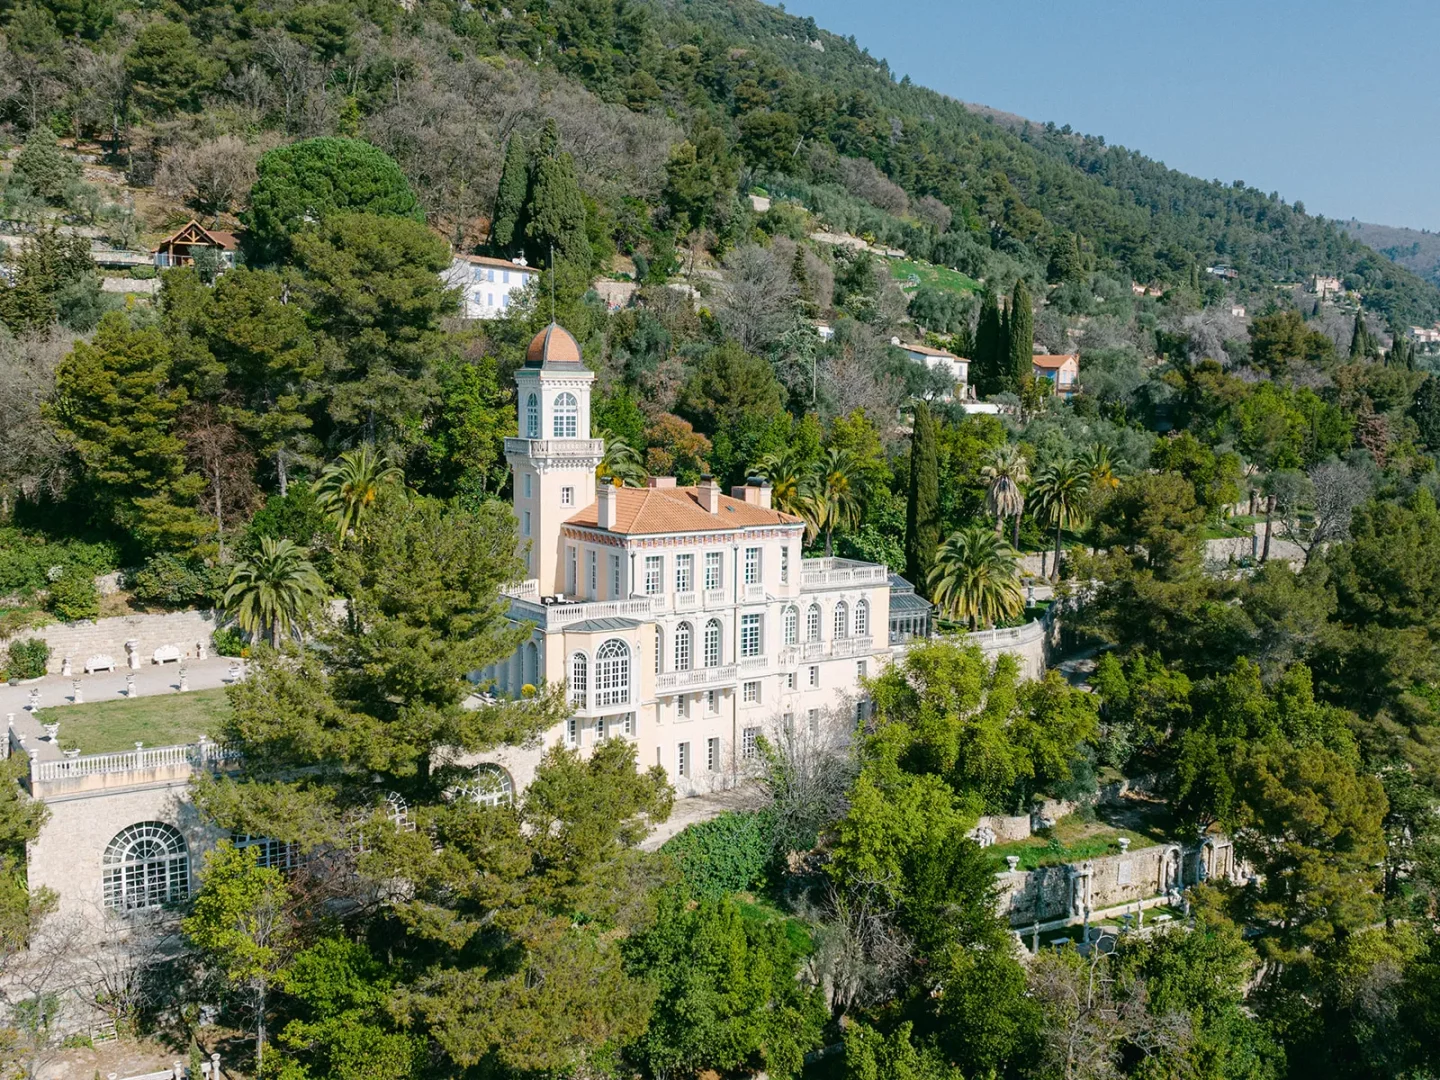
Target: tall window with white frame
(784, 564)
(862, 618)
(571, 573)
(532, 417)
(752, 566)
(842, 620)
(579, 669)
(712, 643)
(567, 416)
(654, 575)
(714, 570)
(712, 755)
(749, 743)
(615, 582)
(684, 573)
(812, 623)
(792, 626)
(751, 638)
(612, 674)
(682, 759)
(592, 561)
(683, 645)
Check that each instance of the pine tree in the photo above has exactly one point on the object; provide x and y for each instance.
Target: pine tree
(989, 345)
(506, 223)
(922, 510)
(1020, 336)
(1065, 262)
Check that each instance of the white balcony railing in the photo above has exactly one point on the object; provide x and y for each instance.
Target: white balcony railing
(752, 593)
(835, 573)
(201, 754)
(554, 616)
(696, 679)
(716, 598)
(687, 601)
(754, 665)
(854, 646)
(568, 448)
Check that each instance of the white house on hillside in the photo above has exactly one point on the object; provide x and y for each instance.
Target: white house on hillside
(488, 285)
(956, 368)
(683, 619)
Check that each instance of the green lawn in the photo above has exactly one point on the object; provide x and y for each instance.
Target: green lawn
(939, 277)
(107, 726)
(1071, 840)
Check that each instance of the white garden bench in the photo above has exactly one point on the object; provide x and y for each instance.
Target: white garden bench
(99, 662)
(167, 654)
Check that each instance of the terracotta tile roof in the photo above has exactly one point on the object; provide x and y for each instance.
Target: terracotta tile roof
(926, 350)
(646, 511)
(552, 347)
(1054, 361)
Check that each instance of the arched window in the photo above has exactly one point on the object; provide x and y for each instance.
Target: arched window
(532, 417)
(579, 668)
(567, 416)
(492, 786)
(530, 665)
(712, 643)
(812, 623)
(397, 811)
(146, 866)
(283, 855)
(792, 626)
(612, 674)
(682, 647)
(842, 620)
(862, 618)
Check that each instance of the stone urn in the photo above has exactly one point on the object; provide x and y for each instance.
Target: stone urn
(1013, 862)
(132, 655)
(1124, 843)
(65, 668)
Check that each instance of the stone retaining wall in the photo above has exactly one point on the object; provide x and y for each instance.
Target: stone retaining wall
(183, 629)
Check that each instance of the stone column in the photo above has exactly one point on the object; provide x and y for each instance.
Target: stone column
(129, 686)
(132, 655)
(78, 697)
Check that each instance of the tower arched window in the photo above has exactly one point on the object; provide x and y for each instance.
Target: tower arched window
(862, 618)
(682, 647)
(492, 786)
(530, 665)
(812, 623)
(532, 417)
(792, 626)
(842, 620)
(567, 416)
(579, 669)
(145, 866)
(612, 674)
(712, 643)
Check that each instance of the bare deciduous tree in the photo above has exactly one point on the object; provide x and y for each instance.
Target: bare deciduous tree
(809, 769)
(852, 376)
(759, 297)
(218, 451)
(863, 180)
(933, 212)
(213, 176)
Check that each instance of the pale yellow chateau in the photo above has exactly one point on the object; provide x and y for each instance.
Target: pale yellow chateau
(682, 618)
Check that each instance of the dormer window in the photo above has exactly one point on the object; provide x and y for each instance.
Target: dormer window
(532, 417)
(567, 416)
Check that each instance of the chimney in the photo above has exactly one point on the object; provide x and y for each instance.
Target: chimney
(605, 507)
(756, 492)
(708, 494)
(660, 482)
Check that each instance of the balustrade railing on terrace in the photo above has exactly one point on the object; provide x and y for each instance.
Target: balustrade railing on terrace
(818, 573)
(198, 755)
(697, 678)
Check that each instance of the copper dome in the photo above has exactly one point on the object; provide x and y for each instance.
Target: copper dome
(551, 347)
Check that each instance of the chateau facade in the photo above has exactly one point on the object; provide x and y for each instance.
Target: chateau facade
(682, 618)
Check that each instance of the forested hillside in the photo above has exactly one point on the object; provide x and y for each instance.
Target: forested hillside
(1417, 250)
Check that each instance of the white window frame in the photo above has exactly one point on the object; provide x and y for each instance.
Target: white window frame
(750, 743)
(752, 635)
(579, 678)
(814, 675)
(682, 759)
(654, 575)
(712, 755)
(684, 647)
(566, 420)
(567, 496)
(753, 567)
(532, 411)
(750, 692)
(862, 618)
(813, 623)
(841, 620)
(792, 625)
(713, 650)
(612, 673)
(685, 573)
(784, 564)
(714, 570)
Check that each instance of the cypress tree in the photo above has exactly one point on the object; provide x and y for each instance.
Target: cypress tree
(1402, 353)
(555, 215)
(1065, 262)
(1362, 346)
(989, 345)
(922, 508)
(1021, 337)
(505, 223)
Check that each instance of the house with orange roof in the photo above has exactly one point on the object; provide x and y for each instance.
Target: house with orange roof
(682, 618)
(180, 248)
(1063, 371)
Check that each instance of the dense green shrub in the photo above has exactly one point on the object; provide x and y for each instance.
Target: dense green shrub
(27, 659)
(228, 641)
(170, 581)
(73, 596)
(26, 559)
(725, 854)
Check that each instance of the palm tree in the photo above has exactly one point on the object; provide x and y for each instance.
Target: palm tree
(790, 480)
(274, 591)
(834, 497)
(976, 577)
(1058, 498)
(1098, 461)
(1005, 475)
(621, 463)
(350, 485)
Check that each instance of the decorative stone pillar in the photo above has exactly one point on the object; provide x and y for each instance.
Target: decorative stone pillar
(65, 669)
(78, 697)
(184, 685)
(34, 700)
(129, 686)
(215, 1066)
(132, 655)
(201, 652)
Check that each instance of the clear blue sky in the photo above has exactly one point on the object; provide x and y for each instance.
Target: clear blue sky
(1336, 104)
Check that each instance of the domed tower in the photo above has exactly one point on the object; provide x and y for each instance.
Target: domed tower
(554, 459)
